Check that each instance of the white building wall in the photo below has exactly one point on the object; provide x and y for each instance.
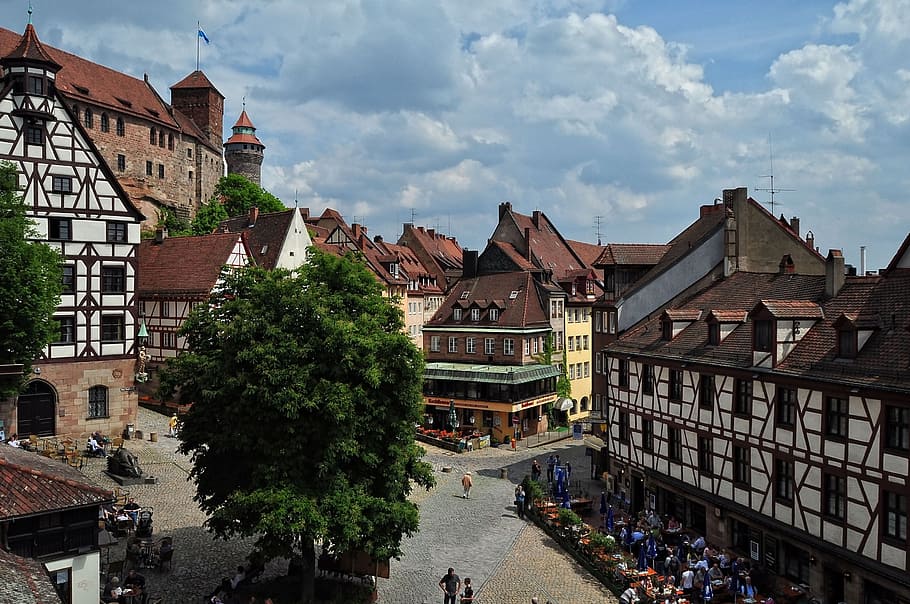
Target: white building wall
(86, 571)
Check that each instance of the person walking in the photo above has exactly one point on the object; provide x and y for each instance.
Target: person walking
(551, 466)
(466, 483)
(520, 501)
(468, 596)
(450, 584)
(535, 470)
(172, 425)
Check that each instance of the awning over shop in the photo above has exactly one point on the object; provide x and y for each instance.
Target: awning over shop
(564, 404)
(592, 442)
(491, 374)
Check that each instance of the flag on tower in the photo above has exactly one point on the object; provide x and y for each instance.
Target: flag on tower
(203, 36)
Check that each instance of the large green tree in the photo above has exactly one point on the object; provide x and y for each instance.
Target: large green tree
(30, 282)
(239, 194)
(208, 217)
(305, 395)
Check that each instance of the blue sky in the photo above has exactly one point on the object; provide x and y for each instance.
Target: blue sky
(634, 111)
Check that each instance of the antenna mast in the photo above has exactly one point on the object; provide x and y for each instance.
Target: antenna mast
(597, 220)
(771, 189)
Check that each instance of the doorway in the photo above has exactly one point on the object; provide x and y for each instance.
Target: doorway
(36, 410)
(638, 493)
(834, 585)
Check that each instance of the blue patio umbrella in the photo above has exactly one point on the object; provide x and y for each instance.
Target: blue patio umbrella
(638, 535)
(628, 537)
(652, 548)
(566, 501)
(707, 593)
(734, 577)
(610, 522)
(642, 560)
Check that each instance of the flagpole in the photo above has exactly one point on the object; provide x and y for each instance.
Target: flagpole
(198, 28)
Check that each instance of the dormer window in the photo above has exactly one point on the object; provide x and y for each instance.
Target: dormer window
(475, 314)
(846, 343)
(762, 338)
(494, 314)
(666, 330)
(456, 314)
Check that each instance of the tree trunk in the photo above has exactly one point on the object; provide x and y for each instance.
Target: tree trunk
(308, 571)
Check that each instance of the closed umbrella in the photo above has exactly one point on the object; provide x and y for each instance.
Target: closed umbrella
(603, 503)
(566, 501)
(707, 593)
(652, 549)
(610, 522)
(642, 560)
(628, 537)
(734, 577)
(453, 415)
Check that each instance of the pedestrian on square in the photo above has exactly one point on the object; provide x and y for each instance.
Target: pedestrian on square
(172, 425)
(468, 596)
(551, 466)
(467, 483)
(520, 501)
(535, 470)
(450, 584)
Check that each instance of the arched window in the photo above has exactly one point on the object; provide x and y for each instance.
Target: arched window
(89, 118)
(170, 141)
(153, 136)
(97, 401)
(105, 123)
(161, 138)
(121, 130)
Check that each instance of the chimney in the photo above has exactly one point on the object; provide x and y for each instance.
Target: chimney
(504, 208)
(254, 216)
(431, 233)
(358, 230)
(377, 238)
(786, 266)
(469, 264)
(734, 197)
(535, 218)
(810, 239)
(528, 243)
(794, 225)
(160, 235)
(834, 272)
(862, 260)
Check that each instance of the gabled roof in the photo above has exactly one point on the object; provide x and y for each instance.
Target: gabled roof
(630, 254)
(518, 261)
(549, 251)
(243, 137)
(197, 79)
(30, 49)
(791, 309)
(31, 484)
(727, 316)
(902, 257)
(25, 581)
(183, 265)
(683, 314)
(264, 238)
(588, 252)
(525, 308)
(444, 250)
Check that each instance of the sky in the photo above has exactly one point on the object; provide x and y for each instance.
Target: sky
(620, 113)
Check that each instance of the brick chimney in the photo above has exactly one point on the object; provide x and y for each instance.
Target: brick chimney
(786, 266)
(794, 225)
(535, 218)
(160, 235)
(469, 264)
(810, 239)
(504, 208)
(359, 231)
(834, 272)
(528, 243)
(254, 216)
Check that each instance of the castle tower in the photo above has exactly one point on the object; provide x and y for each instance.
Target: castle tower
(197, 98)
(243, 151)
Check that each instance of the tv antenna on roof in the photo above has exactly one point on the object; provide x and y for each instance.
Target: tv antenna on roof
(413, 214)
(597, 220)
(771, 189)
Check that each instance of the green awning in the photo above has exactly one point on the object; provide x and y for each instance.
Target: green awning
(490, 374)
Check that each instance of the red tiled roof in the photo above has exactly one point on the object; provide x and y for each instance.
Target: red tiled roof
(183, 265)
(683, 314)
(25, 581)
(265, 238)
(792, 309)
(520, 262)
(636, 254)
(588, 252)
(30, 49)
(31, 484)
(549, 251)
(197, 79)
(244, 121)
(728, 316)
(243, 138)
(444, 250)
(526, 309)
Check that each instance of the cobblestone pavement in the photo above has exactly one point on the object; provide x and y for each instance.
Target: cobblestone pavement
(509, 560)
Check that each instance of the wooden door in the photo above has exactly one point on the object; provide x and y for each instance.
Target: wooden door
(36, 410)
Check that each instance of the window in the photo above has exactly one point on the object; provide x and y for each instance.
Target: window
(762, 335)
(121, 162)
(475, 314)
(34, 135)
(894, 521)
(160, 170)
(97, 401)
(170, 141)
(190, 177)
(121, 129)
(161, 138)
(741, 465)
(168, 339)
(165, 310)
(60, 229)
(453, 344)
(742, 397)
(676, 384)
(105, 123)
(89, 119)
(113, 280)
(612, 321)
(36, 85)
(835, 496)
(189, 152)
(598, 321)
(527, 347)
(674, 441)
(148, 168)
(705, 455)
(557, 340)
(897, 427)
(116, 231)
(706, 391)
(61, 184)
(508, 347)
(587, 368)
(112, 328)
(535, 343)
(571, 343)
(489, 346)
(837, 415)
(783, 480)
(584, 342)
(598, 362)
(494, 314)
(434, 343)
(786, 406)
(623, 426)
(647, 379)
(153, 136)
(647, 434)
(795, 562)
(470, 344)
(571, 371)
(623, 373)
(456, 314)
(846, 343)
(69, 278)
(67, 330)
(713, 333)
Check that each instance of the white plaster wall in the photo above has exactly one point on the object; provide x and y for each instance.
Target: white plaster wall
(296, 242)
(86, 576)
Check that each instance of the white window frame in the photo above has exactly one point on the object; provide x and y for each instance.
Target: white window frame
(453, 344)
(475, 314)
(456, 314)
(434, 343)
(508, 347)
(489, 346)
(470, 345)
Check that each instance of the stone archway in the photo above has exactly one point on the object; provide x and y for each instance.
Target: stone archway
(36, 410)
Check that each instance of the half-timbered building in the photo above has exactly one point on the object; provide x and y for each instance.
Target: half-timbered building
(84, 381)
(771, 413)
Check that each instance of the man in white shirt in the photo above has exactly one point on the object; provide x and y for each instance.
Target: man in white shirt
(688, 581)
(13, 441)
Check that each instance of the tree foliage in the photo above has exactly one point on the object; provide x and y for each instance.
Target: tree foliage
(239, 194)
(208, 217)
(176, 226)
(305, 395)
(30, 282)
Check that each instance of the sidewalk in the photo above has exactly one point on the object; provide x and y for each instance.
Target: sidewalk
(543, 438)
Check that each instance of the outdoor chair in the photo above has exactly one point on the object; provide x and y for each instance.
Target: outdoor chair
(165, 558)
(121, 495)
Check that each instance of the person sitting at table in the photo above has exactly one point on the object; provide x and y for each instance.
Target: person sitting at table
(654, 521)
(724, 560)
(112, 591)
(14, 441)
(715, 574)
(673, 524)
(132, 510)
(94, 448)
(747, 589)
(699, 544)
(134, 580)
